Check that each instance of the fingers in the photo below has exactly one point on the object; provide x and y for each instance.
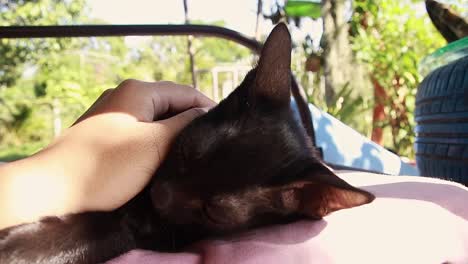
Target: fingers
(170, 99)
(181, 97)
(149, 101)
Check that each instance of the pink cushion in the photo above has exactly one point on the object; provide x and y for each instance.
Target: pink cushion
(413, 220)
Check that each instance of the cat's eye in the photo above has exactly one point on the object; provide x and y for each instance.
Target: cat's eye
(207, 213)
(215, 214)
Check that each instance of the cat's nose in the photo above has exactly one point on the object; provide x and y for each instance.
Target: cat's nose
(161, 195)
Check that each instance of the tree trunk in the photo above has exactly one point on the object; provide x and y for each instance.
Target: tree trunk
(190, 49)
(257, 22)
(57, 122)
(337, 50)
(379, 112)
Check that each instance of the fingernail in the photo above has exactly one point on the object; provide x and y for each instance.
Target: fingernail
(206, 109)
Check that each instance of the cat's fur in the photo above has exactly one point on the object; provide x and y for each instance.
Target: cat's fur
(246, 163)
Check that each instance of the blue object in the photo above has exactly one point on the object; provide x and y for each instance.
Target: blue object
(344, 146)
(441, 116)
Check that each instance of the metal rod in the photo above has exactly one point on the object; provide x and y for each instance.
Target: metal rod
(127, 30)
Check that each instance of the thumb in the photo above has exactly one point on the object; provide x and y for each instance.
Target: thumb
(176, 123)
(179, 121)
(168, 129)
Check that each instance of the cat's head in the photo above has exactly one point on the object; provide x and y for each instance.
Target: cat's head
(248, 162)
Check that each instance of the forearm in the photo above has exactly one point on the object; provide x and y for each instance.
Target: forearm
(78, 172)
(35, 187)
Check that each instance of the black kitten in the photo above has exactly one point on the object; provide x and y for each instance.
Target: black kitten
(246, 163)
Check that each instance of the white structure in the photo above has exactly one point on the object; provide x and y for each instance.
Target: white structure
(237, 72)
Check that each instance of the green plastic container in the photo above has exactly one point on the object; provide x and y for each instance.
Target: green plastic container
(444, 56)
(303, 8)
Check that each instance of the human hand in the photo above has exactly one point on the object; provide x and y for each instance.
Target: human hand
(107, 156)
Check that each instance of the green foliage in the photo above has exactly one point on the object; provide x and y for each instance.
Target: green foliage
(40, 12)
(16, 52)
(11, 154)
(350, 108)
(24, 111)
(347, 111)
(351, 105)
(391, 39)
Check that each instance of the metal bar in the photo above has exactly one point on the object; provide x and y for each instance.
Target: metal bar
(128, 30)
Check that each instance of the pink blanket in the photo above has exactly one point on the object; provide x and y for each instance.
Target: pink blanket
(413, 220)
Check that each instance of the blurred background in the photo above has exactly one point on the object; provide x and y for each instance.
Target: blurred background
(357, 60)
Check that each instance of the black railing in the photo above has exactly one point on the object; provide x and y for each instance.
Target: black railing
(128, 30)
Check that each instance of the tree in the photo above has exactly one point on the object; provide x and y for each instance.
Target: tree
(390, 39)
(21, 115)
(17, 52)
(257, 20)
(337, 55)
(190, 48)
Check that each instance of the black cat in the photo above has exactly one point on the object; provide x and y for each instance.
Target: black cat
(246, 163)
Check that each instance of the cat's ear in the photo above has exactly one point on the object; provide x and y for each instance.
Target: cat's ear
(320, 192)
(273, 75)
